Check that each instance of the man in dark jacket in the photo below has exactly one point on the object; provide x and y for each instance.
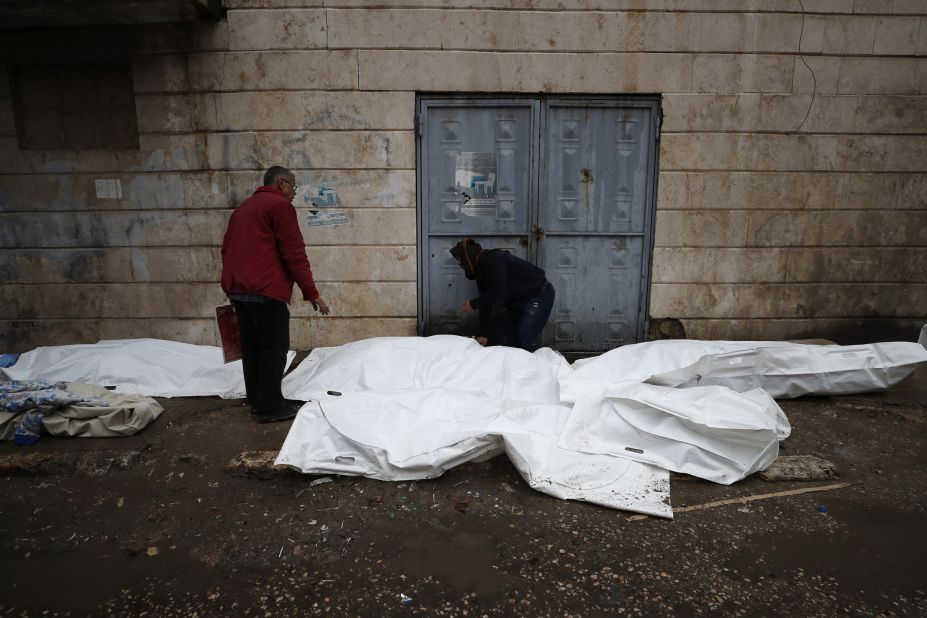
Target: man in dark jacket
(263, 254)
(515, 297)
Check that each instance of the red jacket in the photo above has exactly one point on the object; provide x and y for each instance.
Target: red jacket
(263, 251)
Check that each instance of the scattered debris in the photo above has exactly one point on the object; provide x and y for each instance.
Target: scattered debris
(822, 509)
(405, 600)
(800, 468)
(152, 551)
(99, 464)
(193, 459)
(126, 459)
(615, 596)
(35, 464)
(92, 464)
(259, 464)
(321, 481)
(461, 504)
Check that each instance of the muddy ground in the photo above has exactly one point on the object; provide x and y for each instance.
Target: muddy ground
(156, 525)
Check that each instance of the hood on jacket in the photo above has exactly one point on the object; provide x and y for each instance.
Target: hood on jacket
(468, 252)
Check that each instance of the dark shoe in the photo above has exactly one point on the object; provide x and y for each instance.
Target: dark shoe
(286, 402)
(284, 413)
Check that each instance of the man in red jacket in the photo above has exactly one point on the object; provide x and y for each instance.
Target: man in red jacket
(263, 254)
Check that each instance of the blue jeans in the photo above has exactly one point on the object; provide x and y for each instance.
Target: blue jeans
(523, 320)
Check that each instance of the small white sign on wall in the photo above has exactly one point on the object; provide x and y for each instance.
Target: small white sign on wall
(322, 209)
(109, 189)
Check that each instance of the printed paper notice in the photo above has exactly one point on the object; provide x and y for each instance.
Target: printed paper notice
(475, 180)
(318, 218)
(322, 209)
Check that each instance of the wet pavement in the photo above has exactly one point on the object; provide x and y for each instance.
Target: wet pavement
(178, 533)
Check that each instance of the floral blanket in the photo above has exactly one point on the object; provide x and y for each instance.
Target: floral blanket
(33, 399)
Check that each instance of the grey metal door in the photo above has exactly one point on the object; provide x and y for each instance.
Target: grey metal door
(566, 183)
(448, 130)
(595, 218)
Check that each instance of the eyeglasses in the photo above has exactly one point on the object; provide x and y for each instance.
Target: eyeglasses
(291, 183)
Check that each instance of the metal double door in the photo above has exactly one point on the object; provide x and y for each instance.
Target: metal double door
(566, 183)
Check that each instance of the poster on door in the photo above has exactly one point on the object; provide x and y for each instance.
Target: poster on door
(475, 180)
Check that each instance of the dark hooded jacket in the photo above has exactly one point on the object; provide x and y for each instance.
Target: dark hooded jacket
(500, 278)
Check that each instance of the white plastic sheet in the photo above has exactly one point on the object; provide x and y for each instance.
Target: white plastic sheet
(413, 407)
(151, 367)
(443, 361)
(531, 439)
(635, 363)
(710, 432)
(384, 436)
(403, 435)
(794, 371)
(410, 408)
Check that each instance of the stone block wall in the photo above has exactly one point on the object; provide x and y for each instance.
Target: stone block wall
(792, 197)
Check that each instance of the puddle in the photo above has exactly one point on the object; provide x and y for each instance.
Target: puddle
(94, 575)
(462, 561)
(877, 554)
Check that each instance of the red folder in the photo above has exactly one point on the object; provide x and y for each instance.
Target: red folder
(228, 332)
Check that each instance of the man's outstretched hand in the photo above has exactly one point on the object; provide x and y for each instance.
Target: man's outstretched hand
(320, 305)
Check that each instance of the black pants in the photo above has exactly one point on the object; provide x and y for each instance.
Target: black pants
(265, 340)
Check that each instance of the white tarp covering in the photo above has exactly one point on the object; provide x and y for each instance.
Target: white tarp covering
(710, 432)
(151, 367)
(404, 435)
(406, 408)
(631, 364)
(444, 361)
(412, 407)
(786, 372)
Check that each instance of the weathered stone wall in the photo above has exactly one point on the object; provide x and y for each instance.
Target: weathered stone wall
(792, 190)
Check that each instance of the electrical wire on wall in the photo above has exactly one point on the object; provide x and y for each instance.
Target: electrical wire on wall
(814, 80)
